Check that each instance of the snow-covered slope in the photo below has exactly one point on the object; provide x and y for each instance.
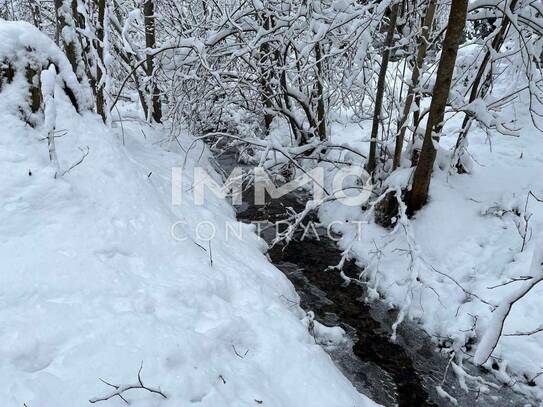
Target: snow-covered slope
(463, 254)
(92, 283)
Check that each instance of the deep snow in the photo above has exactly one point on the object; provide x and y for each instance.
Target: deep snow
(92, 283)
(437, 267)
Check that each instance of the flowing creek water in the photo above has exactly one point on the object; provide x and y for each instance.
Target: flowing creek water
(401, 373)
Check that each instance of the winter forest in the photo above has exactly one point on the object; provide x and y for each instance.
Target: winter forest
(282, 203)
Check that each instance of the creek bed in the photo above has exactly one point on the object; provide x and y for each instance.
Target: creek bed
(400, 373)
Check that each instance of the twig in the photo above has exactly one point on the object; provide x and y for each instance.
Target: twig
(85, 152)
(238, 355)
(210, 254)
(526, 216)
(120, 389)
(120, 121)
(513, 280)
(528, 333)
(468, 293)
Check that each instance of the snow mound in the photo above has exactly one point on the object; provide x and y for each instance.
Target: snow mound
(92, 283)
(24, 47)
(456, 266)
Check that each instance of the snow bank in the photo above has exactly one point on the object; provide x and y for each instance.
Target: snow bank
(92, 283)
(456, 261)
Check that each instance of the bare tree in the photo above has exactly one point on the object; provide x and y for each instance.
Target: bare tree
(100, 66)
(321, 99)
(65, 34)
(494, 330)
(418, 194)
(372, 158)
(415, 76)
(150, 43)
(482, 84)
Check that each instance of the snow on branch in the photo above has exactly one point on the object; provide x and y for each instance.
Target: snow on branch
(494, 330)
(25, 53)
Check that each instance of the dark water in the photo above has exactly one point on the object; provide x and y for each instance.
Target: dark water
(401, 373)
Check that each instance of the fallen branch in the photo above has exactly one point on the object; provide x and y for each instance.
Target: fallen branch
(120, 389)
(85, 152)
(513, 280)
(493, 332)
(527, 333)
(238, 354)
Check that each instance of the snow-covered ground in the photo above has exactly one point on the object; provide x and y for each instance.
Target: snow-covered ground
(92, 283)
(440, 268)
(101, 277)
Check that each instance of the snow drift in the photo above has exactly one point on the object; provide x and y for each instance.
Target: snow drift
(93, 284)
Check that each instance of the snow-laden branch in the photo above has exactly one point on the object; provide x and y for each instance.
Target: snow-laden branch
(494, 330)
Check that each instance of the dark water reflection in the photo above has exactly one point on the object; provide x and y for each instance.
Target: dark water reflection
(403, 373)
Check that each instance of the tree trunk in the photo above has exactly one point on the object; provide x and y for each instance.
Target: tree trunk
(478, 90)
(65, 20)
(296, 131)
(35, 10)
(265, 63)
(421, 54)
(150, 42)
(128, 59)
(418, 195)
(32, 74)
(371, 164)
(100, 75)
(321, 105)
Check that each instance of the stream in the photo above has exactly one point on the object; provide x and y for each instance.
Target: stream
(401, 373)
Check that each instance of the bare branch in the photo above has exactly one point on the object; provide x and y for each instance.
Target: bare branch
(121, 389)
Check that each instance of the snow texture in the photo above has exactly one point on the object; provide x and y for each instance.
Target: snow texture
(92, 283)
(455, 267)
(22, 45)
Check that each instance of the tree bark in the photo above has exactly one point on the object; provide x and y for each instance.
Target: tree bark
(371, 164)
(421, 54)
(297, 132)
(418, 195)
(100, 75)
(32, 74)
(265, 62)
(35, 10)
(150, 42)
(63, 17)
(321, 105)
(128, 59)
(478, 89)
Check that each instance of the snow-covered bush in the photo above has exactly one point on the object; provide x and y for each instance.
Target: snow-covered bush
(24, 53)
